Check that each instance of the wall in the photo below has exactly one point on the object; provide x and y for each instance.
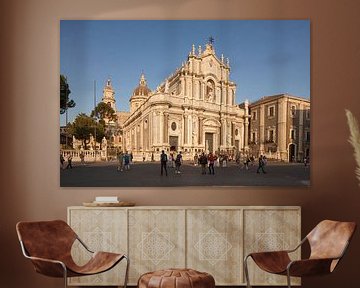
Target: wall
(29, 181)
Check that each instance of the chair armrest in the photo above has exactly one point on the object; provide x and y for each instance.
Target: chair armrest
(84, 245)
(48, 267)
(309, 267)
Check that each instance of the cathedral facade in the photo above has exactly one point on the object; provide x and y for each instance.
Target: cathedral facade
(193, 110)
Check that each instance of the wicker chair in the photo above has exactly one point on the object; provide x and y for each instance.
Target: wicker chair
(48, 245)
(328, 242)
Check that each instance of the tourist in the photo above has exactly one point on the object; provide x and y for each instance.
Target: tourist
(211, 159)
(120, 158)
(196, 159)
(203, 162)
(127, 161)
(62, 161)
(261, 165)
(178, 162)
(69, 159)
(163, 161)
(82, 158)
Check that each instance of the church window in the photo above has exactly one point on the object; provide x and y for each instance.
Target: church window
(271, 134)
(293, 111)
(271, 111)
(173, 126)
(292, 134)
(254, 116)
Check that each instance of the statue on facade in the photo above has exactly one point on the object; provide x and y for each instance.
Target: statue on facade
(103, 143)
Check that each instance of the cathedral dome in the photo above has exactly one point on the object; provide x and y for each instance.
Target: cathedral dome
(142, 89)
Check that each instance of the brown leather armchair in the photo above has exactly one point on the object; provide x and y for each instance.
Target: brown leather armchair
(328, 242)
(48, 245)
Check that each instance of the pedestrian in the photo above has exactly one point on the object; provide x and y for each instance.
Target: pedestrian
(196, 159)
(178, 162)
(82, 158)
(69, 159)
(131, 158)
(163, 161)
(127, 161)
(261, 165)
(152, 157)
(144, 157)
(203, 162)
(120, 158)
(246, 162)
(211, 159)
(62, 161)
(306, 161)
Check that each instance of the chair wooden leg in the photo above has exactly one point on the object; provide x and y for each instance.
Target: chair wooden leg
(246, 272)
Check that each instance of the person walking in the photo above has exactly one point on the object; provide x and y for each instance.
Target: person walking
(203, 163)
(261, 165)
(163, 162)
(82, 158)
(69, 159)
(211, 159)
(127, 161)
(62, 161)
(178, 162)
(120, 158)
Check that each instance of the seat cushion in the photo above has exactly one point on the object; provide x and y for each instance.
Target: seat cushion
(176, 278)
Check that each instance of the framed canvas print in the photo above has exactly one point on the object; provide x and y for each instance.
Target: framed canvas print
(184, 103)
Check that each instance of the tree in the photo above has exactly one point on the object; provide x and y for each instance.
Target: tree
(104, 111)
(83, 127)
(65, 103)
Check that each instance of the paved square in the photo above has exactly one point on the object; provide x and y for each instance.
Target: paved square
(147, 174)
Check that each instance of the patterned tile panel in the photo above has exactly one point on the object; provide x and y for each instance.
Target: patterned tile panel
(214, 241)
(100, 230)
(157, 240)
(270, 230)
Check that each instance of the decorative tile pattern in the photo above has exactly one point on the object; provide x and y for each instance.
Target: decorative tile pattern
(213, 246)
(100, 230)
(210, 239)
(270, 230)
(156, 246)
(156, 241)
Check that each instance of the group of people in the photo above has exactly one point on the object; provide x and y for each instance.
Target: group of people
(177, 160)
(207, 160)
(124, 160)
(69, 161)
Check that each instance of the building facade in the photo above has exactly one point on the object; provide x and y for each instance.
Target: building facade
(192, 111)
(280, 127)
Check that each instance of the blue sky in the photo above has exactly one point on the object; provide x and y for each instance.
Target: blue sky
(266, 57)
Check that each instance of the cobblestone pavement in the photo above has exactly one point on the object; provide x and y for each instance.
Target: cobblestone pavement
(147, 174)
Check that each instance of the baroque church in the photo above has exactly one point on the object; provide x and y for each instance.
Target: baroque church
(193, 110)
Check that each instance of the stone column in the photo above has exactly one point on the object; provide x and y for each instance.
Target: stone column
(166, 125)
(202, 92)
(200, 134)
(186, 129)
(281, 133)
(300, 150)
(161, 128)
